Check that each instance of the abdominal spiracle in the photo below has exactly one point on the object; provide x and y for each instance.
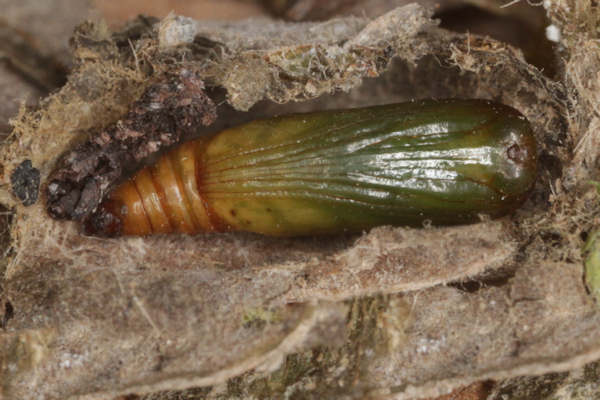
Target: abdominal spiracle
(334, 171)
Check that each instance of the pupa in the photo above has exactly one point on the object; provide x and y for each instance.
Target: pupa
(446, 161)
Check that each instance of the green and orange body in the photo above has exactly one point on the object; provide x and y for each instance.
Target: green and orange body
(334, 171)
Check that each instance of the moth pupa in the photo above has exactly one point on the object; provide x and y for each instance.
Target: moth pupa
(334, 171)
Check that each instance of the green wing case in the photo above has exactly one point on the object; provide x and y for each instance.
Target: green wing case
(347, 170)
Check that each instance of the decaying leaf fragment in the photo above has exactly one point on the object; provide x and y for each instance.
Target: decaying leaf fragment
(390, 313)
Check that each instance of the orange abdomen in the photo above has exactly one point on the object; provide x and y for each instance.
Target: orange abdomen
(163, 197)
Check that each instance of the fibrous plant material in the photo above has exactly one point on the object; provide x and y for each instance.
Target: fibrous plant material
(370, 315)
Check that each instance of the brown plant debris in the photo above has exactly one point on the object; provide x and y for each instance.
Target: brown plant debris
(167, 111)
(25, 182)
